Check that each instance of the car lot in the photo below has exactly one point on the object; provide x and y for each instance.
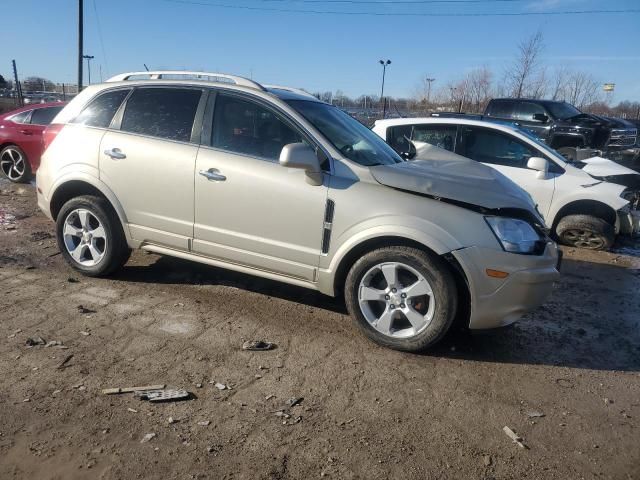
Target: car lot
(367, 412)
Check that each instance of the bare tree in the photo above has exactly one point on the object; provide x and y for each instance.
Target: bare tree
(558, 83)
(479, 88)
(582, 89)
(32, 84)
(520, 75)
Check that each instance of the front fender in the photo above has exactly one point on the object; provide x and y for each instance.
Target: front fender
(603, 192)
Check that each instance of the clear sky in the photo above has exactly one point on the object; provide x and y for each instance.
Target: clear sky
(320, 51)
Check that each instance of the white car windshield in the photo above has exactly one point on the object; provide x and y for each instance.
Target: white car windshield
(355, 141)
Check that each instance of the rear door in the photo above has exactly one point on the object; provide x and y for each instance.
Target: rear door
(148, 158)
(40, 118)
(509, 156)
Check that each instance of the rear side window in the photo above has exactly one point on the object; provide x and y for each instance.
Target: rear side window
(22, 117)
(101, 110)
(242, 126)
(44, 116)
(399, 137)
(501, 109)
(161, 112)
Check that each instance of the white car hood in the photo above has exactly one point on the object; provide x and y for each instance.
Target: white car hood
(601, 167)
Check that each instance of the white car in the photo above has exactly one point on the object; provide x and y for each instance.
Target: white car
(585, 203)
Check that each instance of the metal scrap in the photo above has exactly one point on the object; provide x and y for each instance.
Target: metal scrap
(514, 436)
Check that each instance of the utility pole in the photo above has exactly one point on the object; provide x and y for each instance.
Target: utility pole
(384, 71)
(429, 81)
(89, 58)
(18, 87)
(80, 45)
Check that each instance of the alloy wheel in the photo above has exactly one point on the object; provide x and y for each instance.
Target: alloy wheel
(396, 299)
(84, 237)
(12, 163)
(583, 239)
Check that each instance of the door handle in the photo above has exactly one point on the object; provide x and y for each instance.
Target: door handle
(26, 132)
(115, 153)
(213, 174)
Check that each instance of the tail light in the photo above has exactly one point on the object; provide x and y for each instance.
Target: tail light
(50, 134)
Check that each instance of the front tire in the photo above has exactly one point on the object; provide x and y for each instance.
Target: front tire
(90, 236)
(15, 164)
(401, 297)
(585, 231)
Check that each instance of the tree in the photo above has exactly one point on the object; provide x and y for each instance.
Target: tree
(522, 75)
(479, 88)
(3, 82)
(581, 89)
(31, 84)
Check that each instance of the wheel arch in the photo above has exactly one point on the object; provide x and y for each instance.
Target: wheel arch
(71, 188)
(586, 207)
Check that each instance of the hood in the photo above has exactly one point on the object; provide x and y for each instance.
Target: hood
(439, 173)
(601, 167)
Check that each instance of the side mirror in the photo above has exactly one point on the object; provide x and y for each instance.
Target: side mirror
(302, 156)
(540, 117)
(539, 164)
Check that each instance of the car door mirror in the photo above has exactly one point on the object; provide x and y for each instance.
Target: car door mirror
(541, 165)
(540, 117)
(302, 156)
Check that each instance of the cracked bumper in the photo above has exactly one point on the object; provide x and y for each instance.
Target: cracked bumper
(499, 302)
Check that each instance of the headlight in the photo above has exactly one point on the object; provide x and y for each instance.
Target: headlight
(515, 236)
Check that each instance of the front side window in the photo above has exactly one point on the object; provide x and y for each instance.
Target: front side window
(526, 111)
(443, 136)
(101, 110)
(161, 112)
(245, 127)
(494, 147)
(44, 116)
(501, 109)
(399, 138)
(355, 141)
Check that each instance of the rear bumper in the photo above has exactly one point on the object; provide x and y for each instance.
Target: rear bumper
(43, 202)
(499, 302)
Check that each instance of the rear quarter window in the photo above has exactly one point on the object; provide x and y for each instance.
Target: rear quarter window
(100, 111)
(44, 116)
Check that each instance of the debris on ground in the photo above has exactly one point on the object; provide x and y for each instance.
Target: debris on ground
(293, 401)
(258, 345)
(132, 410)
(205, 423)
(84, 333)
(514, 436)
(171, 420)
(148, 437)
(84, 310)
(112, 391)
(535, 414)
(166, 395)
(486, 459)
(608, 401)
(33, 341)
(73, 280)
(220, 386)
(63, 364)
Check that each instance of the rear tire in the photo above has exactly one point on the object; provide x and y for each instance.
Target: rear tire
(401, 297)
(15, 164)
(585, 231)
(90, 236)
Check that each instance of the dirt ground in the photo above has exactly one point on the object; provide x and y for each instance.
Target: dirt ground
(367, 412)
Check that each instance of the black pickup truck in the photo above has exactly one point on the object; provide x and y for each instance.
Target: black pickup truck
(575, 134)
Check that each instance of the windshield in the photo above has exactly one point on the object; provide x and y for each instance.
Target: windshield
(563, 110)
(355, 141)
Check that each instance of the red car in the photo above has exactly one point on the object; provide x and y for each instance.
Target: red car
(21, 139)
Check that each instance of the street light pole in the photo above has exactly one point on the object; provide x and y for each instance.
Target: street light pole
(89, 58)
(384, 71)
(429, 81)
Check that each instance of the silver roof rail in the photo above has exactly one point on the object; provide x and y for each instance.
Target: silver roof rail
(158, 75)
(299, 91)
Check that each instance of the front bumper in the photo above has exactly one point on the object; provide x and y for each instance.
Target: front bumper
(497, 302)
(629, 221)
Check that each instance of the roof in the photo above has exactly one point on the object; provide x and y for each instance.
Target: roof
(393, 122)
(32, 106)
(532, 100)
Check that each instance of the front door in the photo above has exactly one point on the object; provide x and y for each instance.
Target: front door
(509, 156)
(250, 210)
(149, 164)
